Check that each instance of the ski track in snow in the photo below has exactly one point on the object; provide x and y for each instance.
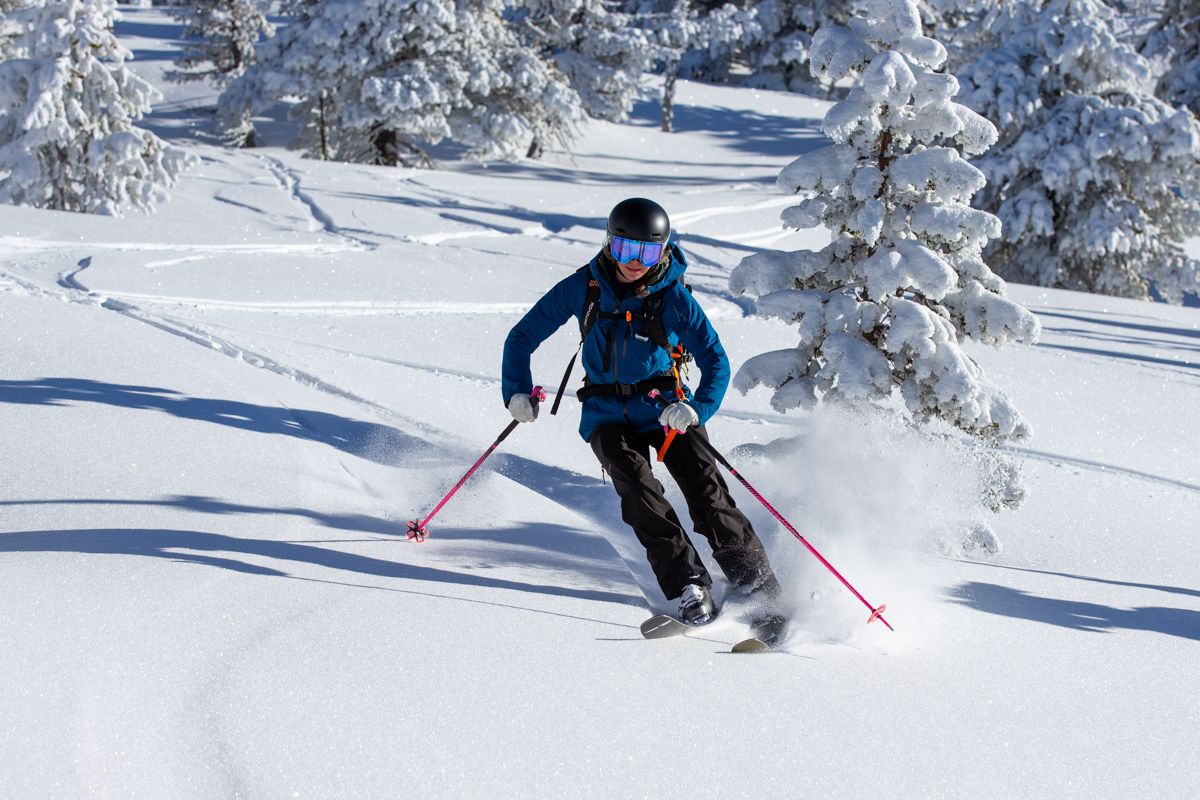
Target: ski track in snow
(689, 217)
(207, 340)
(1097, 466)
(116, 301)
(759, 237)
(290, 182)
(15, 245)
(345, 308)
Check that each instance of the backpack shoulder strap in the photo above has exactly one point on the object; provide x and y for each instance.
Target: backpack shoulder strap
(587, 318)
(591, 306)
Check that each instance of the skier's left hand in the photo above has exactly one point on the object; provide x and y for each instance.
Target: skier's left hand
(679, 416)
(522, 408)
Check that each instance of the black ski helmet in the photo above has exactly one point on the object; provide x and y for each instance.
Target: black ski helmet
(640, 219)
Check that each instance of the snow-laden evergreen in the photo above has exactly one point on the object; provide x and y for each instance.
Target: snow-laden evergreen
(600, 50)
(677, 35)
(888, 303)
(221, 36)
(67, 108)
(770, 40)
(377, 78)
(1095, 179)
(766, 44)
(971, 28)
(9, 28)
(1174, 46)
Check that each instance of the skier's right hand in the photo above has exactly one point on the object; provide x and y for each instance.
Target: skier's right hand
(521, 408)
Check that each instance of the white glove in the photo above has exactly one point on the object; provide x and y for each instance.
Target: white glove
(521, 408)
(679, 416)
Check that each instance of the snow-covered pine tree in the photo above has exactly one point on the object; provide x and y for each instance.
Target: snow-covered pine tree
(597, 47)
(10, 25)
(673, 33)
(1174, 45)
(220, 36)
(1095, 179)
(889, 302)
(970, 28)
(769, 40)
(375, 78)
(67, 108)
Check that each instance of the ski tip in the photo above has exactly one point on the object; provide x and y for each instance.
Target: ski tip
(662, 626)
(751, 646)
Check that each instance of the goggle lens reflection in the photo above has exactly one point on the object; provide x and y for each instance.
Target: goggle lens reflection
(626, 250)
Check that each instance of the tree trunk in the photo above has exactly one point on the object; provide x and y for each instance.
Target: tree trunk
(536, 150)
(388, 144)
(386, 148)
(668, 101)
(326, 153)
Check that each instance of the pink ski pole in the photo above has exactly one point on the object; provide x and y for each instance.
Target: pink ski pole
(416, 528)
(876, 613)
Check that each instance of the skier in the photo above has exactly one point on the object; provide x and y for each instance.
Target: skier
(629, 348)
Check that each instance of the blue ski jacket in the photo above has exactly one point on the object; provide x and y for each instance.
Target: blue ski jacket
(613, 353)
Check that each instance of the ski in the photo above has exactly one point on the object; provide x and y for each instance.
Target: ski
(663, 626)
(751, 645)
(768, 635)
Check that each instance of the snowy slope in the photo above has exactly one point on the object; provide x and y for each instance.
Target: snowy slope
(218, 419)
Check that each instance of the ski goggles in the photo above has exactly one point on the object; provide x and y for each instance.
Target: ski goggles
(626, 250)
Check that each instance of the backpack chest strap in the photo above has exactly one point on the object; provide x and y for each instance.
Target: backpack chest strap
(628, 316)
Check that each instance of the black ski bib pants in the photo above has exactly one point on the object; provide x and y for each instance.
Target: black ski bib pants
(625, 455)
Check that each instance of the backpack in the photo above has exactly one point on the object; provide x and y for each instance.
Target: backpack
(652, 329)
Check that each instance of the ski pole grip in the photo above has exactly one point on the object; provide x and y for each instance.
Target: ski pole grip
(535, 397)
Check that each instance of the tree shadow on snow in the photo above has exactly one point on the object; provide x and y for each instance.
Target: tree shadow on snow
(1105, 581)
(1124, 356)
(215, 550)
(591, 499)
(381, 444)
(453, 210)
(1127, 334)
(1005, 601)
(375, 442)
(741, 129)
(359, 523)
(1099, 319)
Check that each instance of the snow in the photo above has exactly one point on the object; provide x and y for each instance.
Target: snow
(217, 420)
